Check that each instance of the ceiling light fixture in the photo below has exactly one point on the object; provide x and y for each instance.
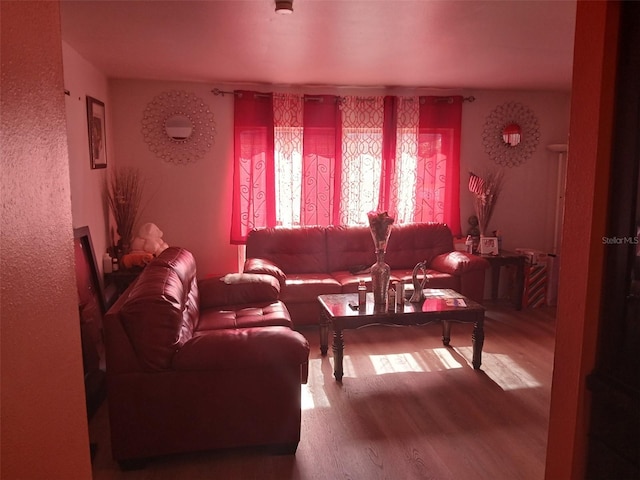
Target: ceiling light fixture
(284, 7)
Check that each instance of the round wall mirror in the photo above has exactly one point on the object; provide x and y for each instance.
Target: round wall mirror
(178, 127)
(511, 134)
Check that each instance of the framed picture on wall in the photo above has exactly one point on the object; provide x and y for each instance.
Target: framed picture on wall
(97, 133)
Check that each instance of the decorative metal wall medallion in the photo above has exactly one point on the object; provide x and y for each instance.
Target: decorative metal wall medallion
(178, 127)
(511, 134)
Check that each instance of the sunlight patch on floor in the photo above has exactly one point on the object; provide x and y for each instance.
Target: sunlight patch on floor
(312, 393)
(503, 370)
(447, 360)
(428, 360)
(347, 366)
(395, 363)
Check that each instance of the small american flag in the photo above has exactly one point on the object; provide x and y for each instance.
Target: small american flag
(476, 184)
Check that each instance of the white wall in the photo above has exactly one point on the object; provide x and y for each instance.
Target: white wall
(88, 202)
(190, 203)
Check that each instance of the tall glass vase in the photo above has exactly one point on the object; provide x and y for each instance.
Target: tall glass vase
(380, 275)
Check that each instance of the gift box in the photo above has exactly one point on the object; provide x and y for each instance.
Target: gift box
(535, 285)
(534, 257)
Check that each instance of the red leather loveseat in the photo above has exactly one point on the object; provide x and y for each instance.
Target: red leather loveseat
(311, 261)
(197, 365)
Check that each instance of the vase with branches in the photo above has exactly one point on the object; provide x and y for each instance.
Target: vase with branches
(486, 190)
(380, 226)
(124, 195)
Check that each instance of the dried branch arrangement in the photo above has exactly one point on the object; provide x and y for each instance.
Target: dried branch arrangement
(486, 191)
(124, 194)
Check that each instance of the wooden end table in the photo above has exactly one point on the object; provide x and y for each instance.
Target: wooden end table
(122, 278)
(505, 258)
(440, 305)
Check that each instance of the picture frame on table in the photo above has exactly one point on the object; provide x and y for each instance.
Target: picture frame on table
(96, 123)
(489, 246)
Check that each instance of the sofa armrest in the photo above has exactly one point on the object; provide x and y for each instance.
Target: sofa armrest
(264, 266)
(458, 263)
(238, 289)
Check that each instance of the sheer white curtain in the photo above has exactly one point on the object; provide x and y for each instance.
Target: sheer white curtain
(287, 124)
(362, 134)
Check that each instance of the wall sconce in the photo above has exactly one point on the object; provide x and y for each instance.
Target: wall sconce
(284, 7)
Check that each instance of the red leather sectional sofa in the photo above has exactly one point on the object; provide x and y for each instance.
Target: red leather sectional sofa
(311, 261)
(197, 365)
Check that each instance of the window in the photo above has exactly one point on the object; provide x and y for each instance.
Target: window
(322, 160)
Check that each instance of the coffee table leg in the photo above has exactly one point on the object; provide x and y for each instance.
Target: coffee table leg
(477, 339)
(519, 283)
(338, 352)
(446, 332)
(324, 334)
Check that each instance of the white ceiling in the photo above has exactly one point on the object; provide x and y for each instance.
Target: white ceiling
(457, 44)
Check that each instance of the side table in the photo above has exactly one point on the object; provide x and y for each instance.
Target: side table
(122, 278)
(503, 259)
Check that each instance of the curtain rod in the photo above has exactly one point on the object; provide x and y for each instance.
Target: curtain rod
(449, 98)
(222, 93)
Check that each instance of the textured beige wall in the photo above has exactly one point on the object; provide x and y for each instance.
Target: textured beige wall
(44, 427)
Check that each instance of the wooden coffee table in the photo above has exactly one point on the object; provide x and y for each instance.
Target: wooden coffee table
(440, 305)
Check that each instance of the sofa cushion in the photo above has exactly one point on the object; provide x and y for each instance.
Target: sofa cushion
(436, 278)
(305, 287)
(161, 310)
(270, 314)
(349, 282)
(350, 248)
(242, 348)
(293, 250)
(153, 315)
(416, 242)
(183, 264)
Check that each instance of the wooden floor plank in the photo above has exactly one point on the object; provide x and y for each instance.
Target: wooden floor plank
(408, 408)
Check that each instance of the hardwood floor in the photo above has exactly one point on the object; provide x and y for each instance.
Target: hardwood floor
(408, 408)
